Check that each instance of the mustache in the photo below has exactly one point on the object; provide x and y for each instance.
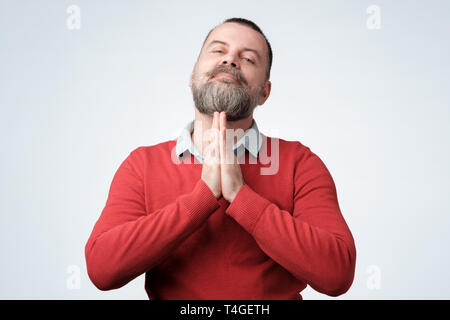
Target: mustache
(234, 72)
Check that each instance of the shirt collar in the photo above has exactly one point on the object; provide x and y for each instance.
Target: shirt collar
(251, 140)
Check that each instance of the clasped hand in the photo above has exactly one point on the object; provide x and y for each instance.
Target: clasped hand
(221, 170)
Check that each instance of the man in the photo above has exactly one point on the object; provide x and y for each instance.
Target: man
(206, 216)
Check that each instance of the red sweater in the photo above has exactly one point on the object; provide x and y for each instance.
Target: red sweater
(280, 233)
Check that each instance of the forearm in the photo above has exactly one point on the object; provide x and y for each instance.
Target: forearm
(118, 254)
(322, 259)
(323, 256)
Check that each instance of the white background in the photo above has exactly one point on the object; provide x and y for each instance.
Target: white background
(372, 103)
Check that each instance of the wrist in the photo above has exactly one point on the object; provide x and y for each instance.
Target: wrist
(234, 193)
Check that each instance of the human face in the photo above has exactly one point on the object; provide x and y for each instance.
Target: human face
(230, 73)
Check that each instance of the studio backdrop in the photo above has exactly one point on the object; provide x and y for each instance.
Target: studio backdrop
(363, 84)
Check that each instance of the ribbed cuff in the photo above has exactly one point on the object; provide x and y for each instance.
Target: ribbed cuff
(201, 201)
(247, 207)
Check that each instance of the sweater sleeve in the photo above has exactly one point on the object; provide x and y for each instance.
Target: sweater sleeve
(127, 241)
(313, 242)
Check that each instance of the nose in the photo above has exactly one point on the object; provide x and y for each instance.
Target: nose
(230, 60)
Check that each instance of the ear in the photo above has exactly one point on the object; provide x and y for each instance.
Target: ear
(266, 92)
(192, 74)
(190, 80)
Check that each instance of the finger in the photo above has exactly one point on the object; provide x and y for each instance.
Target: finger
(223, 120)
(209, 135)
(215, 119)
(214, 138)
(217, 147)
(222, 137)
(222, 146)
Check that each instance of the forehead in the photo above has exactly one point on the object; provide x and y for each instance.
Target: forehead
(239, 35)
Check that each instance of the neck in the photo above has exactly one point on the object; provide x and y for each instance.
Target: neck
(203, 122)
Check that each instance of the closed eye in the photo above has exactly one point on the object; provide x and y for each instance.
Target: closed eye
(248, 60)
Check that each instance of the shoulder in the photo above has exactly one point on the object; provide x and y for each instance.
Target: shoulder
(287, 148)
(296, 152)
(159, 152)
(308, 169)
(152, 150)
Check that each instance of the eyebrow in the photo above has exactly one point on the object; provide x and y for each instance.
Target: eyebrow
(226, 44)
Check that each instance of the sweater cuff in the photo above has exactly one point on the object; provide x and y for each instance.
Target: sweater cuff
(201, 201)
(247, 207)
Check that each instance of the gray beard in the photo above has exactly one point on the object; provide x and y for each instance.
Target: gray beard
(225, 96)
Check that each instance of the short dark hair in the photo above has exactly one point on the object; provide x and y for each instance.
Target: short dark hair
(255, 27)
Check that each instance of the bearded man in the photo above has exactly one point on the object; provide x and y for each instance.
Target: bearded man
(223, 211)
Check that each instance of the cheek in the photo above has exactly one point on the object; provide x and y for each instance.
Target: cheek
(207, 63)
(256, 78)
(203, 68)
(252, 79)
(200, 73)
